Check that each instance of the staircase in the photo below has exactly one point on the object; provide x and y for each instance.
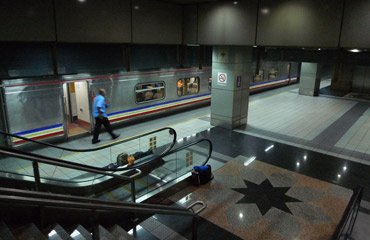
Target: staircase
(150, 227)
(29, 215)
(57, 232)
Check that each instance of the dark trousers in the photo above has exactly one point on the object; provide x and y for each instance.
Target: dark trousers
(98, 123)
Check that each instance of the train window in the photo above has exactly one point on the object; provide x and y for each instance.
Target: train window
(147, 92)
(188, 86)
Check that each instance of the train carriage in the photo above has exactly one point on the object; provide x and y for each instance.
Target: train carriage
(62, 108)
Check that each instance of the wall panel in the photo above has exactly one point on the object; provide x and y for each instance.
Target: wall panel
(355, 30)
(26, 20)
(156, 22)
(99, 21)
(226, 23)
(303, 23)
(190, 24)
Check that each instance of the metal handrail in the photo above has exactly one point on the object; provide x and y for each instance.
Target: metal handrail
(63, 201)
(62, 163)
(58, 162)
(42, 195)
(103, 171)
(350, 211)
(171, 130)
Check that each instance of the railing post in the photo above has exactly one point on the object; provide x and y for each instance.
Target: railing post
(133, 190)
(194, 234)
(95, 225)
(36, 174)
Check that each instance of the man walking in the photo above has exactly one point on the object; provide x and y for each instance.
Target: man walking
(100, 115)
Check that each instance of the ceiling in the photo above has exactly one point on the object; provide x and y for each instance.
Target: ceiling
(189, 1)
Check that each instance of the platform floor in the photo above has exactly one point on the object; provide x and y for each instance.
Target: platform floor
(317, 148)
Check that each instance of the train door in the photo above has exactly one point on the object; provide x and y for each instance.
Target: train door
(77, 110)
(3, 138)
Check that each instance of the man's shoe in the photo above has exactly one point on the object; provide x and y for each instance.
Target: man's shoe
(95, 141)
(115, 136)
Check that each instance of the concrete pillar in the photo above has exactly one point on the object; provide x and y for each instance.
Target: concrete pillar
(310, 77)
(232, 71)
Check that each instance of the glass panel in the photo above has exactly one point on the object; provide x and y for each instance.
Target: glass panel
(72, 181)
(154, 175)
(148, 92)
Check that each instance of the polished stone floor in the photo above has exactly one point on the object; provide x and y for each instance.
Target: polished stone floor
(255, 200)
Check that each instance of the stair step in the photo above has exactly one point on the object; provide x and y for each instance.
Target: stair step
(29, 232)
(104, 234)
(58, 233)
(5, 232)
(160, 230)
(120, 234)
(80, 233)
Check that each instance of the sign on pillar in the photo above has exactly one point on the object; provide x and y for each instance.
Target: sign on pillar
(221, 79)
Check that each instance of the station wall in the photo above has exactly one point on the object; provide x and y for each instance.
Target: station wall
(285, 23)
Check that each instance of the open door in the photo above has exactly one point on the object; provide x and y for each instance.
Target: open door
(77, 109)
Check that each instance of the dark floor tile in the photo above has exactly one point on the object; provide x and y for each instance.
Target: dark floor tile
(205, 229)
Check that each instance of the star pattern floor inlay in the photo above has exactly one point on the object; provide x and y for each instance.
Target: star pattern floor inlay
(265, 196)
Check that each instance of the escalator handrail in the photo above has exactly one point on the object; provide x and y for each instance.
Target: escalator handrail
(103, 171)
(171, 130)
(58, 162)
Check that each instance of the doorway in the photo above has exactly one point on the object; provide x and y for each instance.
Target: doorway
(77, 110)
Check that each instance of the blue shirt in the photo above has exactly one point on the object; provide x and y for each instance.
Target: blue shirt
(99, 102)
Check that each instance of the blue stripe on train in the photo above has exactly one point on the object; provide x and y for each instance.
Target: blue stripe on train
(39, 129)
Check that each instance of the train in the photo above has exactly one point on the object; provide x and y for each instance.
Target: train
(61, 108)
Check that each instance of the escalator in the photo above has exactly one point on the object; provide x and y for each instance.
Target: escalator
(65, 170)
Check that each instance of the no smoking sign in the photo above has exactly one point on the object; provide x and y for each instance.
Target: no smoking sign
(221, 78)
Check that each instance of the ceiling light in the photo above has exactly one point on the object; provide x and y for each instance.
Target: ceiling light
(354, 50)
(235, 2)
(81, 1)
(265, 11)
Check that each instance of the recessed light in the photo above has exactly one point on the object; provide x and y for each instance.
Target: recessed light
(355, 50)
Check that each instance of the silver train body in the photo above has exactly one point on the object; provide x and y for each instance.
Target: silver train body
(44, 109)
